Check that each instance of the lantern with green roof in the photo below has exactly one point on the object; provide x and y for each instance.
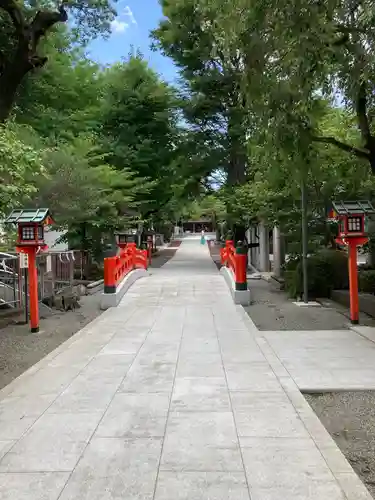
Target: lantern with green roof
(30, 224)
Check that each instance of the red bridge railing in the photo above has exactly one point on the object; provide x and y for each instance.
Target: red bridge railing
(117, 267)
(235, 258)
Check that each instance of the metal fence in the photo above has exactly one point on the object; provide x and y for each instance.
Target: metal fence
(9, 280)
(56, 270)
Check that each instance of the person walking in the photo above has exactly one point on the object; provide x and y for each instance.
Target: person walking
(203, 239)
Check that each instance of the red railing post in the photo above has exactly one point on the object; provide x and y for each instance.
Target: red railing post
(240, 271)
(110, 275)
(132, 250)
(115, 268)
(229, 250)
(222, 256)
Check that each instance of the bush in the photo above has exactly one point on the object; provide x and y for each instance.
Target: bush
(292, 263)
(366, 281)
(326, 270)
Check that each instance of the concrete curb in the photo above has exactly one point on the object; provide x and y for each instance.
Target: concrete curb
(367, 332)
(241, 297)
(113, 299)
(94, 287)
(351, 485)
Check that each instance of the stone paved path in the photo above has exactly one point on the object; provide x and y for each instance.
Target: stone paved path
(170, 396)
(326, 360)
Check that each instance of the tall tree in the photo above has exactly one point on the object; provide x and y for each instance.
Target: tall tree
(307, 49)
(138, 130)
(212, 73)
(60, 101)
(23, 26)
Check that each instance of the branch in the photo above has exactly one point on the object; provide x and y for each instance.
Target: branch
(342, 28)
(43, 21)
(360, 153)
(156, 210)
(11, 7)
(361, 109)
(342, 40)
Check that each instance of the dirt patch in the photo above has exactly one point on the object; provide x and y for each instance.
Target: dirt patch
(20, 349)
(350, 419)
(175, 243)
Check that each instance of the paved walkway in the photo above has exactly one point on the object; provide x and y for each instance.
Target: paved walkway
(170, 396)
(327, 360)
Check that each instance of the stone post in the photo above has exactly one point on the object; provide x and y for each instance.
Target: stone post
(277, 252)
(264, 248)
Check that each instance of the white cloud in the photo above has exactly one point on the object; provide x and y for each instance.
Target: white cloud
(119, 26)
(128, 12)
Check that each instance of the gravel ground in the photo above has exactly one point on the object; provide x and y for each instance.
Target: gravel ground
(350, 419)
(272, 310)
(20, 349)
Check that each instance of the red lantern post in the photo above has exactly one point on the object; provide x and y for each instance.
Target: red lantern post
(30, 239)
(351, 218)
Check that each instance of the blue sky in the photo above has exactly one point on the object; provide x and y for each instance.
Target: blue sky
(131, 28)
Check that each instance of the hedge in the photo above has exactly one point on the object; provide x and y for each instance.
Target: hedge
(327, 270)
(366, 281)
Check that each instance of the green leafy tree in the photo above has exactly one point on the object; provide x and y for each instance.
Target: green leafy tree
(296, 53)
(87, 196)
(61, 99)
(23, 28)
(20, 167)
(139, 133)
(212, 75)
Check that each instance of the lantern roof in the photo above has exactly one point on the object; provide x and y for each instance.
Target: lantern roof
(352, 207)
(25, 215)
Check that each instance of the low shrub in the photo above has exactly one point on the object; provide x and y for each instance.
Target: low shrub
(327, 270)
(292, 263)
(366, 281)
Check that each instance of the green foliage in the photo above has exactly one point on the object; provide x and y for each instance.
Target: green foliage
(209, 205)
(366, 281)
(138, 130)
(212, 100)
(88, 196)
(294, 55)
(20, 166)
(62, 99)
(327, 271)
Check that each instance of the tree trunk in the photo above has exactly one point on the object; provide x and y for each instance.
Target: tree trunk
(239, 232)
(7, 98)
(371, 243)
(25, 58)
(10, 80)
(370, 145)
